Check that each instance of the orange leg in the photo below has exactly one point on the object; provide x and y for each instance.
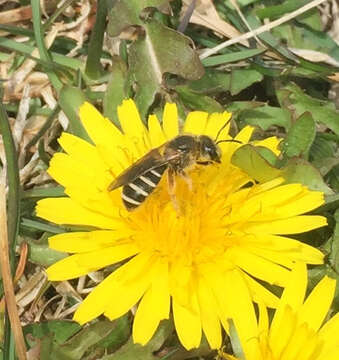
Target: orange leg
(187, 179)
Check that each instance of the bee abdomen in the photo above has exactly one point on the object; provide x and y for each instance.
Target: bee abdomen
(135, 192)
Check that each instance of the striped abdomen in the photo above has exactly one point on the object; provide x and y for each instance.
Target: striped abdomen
(135, 192)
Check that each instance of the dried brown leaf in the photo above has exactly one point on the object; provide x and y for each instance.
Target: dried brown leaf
(205, 14)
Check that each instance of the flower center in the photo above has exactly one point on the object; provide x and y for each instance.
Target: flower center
(191, 226)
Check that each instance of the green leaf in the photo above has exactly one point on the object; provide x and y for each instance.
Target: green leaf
(55, 191)
(265, 117)
(213, 81)
(58, 59)
(269, 40)
(125, 13)
(334, 253)
(71, 98)
(94, 69)
(42, 226)
(325, 165)
(300, 136)
(239, 106)
(300, 171)
(232, 57)
(159, 51)
(249, 159)
(276, 11)
(13, 179)
(291, 96)
(40, 253)
(158, 48)
(76, 347)
(260, 167)
(120, 333)
(60, 330)
(40, 41)
(131, 351)
(322, 148)
(333, 178)
(198, 101)
(242, 79)
(235, 341)
(116, 89)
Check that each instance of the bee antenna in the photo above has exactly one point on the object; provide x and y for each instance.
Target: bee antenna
(230, 140)
(222, 128)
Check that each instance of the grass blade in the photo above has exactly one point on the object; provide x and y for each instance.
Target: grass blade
(39, 38)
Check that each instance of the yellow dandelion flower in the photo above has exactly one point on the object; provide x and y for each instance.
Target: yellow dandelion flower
(296, 331)
(200, 262)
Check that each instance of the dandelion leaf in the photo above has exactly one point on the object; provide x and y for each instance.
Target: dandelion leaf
(294, 99)
(301, 171)
(242, 79)
(249, 159)
(131, 351)
(260, 165)
(67, 340)
(156, 50)
(198, 101)
(265, 116)
(61, 330)
(300, 136)
(126, 13)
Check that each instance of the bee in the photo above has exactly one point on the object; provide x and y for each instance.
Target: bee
(175, 156)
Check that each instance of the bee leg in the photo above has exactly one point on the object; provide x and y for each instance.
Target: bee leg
(171, 189)
(187, 179)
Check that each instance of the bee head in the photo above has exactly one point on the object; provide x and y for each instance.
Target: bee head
(209, 150)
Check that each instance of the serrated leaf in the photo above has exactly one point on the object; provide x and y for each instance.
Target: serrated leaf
(242, 79)
(59, 330)
(79, 344)
(158, 52)
(158, 48)
(249, 159)
(300, 171)
(119, 334)
(322, 111)
(125, 13)
(266, 116)
(300, 136)
(131, 351)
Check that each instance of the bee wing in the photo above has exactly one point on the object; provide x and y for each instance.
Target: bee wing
(153, 159)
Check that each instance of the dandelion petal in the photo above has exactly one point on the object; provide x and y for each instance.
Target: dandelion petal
(188, 323)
